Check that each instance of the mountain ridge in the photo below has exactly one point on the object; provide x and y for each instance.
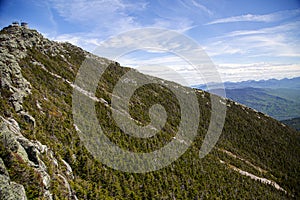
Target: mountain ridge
(277, 98)
(43, 140)
(266, 83)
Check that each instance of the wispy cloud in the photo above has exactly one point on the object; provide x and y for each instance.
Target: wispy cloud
(285, 28)
(107, 15)
(108, 18)
(201, 7)
(282, 40)
(82, 10)
(277, 44)
(180, 24)
(195, 5)
(276, 49)
(170, 67)
(277, 16)
(257, 71)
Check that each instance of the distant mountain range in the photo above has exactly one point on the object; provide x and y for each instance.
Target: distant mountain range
(293, 83)
(278, 98)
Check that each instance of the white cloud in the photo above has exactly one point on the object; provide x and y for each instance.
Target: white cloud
(85, 11)
(277, 16)
(107, 18)
(247, 17)
(87, 41)
(201, 7)
(287, 27)
(106, 15)
(174, 68)
(235, 72)
(180, 50)
(282, 40)
(195, 5)
(180, 24)
(68, 38)
(113, 17)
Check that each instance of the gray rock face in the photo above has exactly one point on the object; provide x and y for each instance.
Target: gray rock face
(13, 191)
(9, 133)
(10, 71)
(4, 177)
(10, 190)
(28, 150)
(14, 45)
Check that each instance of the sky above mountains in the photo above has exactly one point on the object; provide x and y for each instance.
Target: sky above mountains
(244, 39)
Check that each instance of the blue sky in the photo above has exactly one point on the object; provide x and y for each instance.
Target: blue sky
(244, 39)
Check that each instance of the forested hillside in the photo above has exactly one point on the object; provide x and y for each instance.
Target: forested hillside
(43, 157)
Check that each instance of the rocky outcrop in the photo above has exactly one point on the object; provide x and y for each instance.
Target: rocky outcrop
(9, 132)
(9, 190)
(27, 150)
(30, 152)
(13, 47)
(12, 79)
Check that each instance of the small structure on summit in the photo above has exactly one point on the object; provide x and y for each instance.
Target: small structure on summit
(15, 24)
(24, 24)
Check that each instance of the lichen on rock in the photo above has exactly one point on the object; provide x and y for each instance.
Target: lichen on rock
(10, 190)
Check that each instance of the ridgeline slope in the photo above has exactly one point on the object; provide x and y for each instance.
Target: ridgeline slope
(42, 156)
